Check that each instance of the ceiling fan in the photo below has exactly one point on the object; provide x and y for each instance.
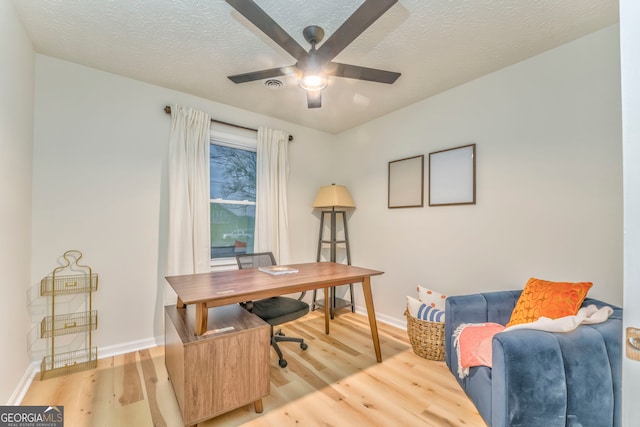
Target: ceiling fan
(313, 68)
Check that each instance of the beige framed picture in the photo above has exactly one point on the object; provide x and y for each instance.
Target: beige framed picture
(406, 183)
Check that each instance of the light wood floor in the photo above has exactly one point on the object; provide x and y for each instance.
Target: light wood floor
(336, 382)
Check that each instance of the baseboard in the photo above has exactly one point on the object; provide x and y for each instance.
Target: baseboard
(128, 347)
(24, 384)
(384, 318)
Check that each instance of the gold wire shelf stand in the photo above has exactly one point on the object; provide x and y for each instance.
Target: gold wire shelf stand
(68, 279)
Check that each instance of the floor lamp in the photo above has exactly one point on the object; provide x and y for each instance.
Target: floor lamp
(334, 196)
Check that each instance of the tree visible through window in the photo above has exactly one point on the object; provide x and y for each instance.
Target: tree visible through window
(232, 200)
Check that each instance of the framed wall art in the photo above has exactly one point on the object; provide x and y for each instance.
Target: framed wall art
(452, 176)
(406, 183)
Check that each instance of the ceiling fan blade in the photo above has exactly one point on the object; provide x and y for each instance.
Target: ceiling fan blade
(361, 73)
(314, 98)
(355, 25)
(260, 19)
(257, 75)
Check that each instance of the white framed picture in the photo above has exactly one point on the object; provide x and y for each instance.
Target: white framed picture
(452, 176)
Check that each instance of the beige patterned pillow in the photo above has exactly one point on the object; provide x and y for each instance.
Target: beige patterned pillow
(431, 297)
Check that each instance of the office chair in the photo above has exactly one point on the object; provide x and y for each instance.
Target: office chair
(275, 310)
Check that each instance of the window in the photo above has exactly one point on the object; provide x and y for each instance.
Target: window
(233, 197)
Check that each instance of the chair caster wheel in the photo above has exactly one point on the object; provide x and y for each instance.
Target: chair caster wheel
(304, 346)
(282, 363)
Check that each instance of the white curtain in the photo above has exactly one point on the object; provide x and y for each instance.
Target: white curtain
(189, 248)
(272, 174)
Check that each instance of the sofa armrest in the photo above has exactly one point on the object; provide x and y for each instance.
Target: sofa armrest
(556, 379)
(476, 308)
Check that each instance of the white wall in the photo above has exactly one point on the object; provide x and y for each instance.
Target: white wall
(630, 58)
(16, 142)
(549, 181)
(100, 186)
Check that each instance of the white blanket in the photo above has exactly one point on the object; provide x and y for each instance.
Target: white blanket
(588, 315)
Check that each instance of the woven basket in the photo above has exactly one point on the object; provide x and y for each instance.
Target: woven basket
(427, 338)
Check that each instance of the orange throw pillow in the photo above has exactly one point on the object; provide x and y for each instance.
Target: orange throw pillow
(549, 299)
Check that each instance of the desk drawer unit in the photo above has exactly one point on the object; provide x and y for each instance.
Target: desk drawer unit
(221, 370)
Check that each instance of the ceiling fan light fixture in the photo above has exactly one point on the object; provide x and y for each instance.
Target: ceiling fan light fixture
(313, 82)
(312, 68)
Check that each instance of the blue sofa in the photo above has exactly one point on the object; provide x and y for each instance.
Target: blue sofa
(540, 378)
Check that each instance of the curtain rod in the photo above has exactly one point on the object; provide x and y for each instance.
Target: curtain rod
(167, 109)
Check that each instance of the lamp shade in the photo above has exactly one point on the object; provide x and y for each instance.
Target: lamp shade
(333, 196)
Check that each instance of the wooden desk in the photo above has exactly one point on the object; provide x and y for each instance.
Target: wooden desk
(214, 289)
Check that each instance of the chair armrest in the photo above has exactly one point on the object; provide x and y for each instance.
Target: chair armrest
(476, 308)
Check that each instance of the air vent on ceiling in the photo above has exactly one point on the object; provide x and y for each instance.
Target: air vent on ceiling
(274, 84)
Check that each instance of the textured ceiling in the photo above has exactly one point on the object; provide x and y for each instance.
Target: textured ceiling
(192, 45)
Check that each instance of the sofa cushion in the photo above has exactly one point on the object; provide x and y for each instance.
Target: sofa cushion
(549, 299)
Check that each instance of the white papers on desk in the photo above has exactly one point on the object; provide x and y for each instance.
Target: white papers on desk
(278, 269)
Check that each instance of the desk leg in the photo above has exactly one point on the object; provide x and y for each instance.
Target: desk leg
(326, 311)
(332, 311)
(200, 326)
(368, 298)
(258, 406)
(180, 304)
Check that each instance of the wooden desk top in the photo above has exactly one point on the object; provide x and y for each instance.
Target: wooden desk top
(224, 320)
(230, 287)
